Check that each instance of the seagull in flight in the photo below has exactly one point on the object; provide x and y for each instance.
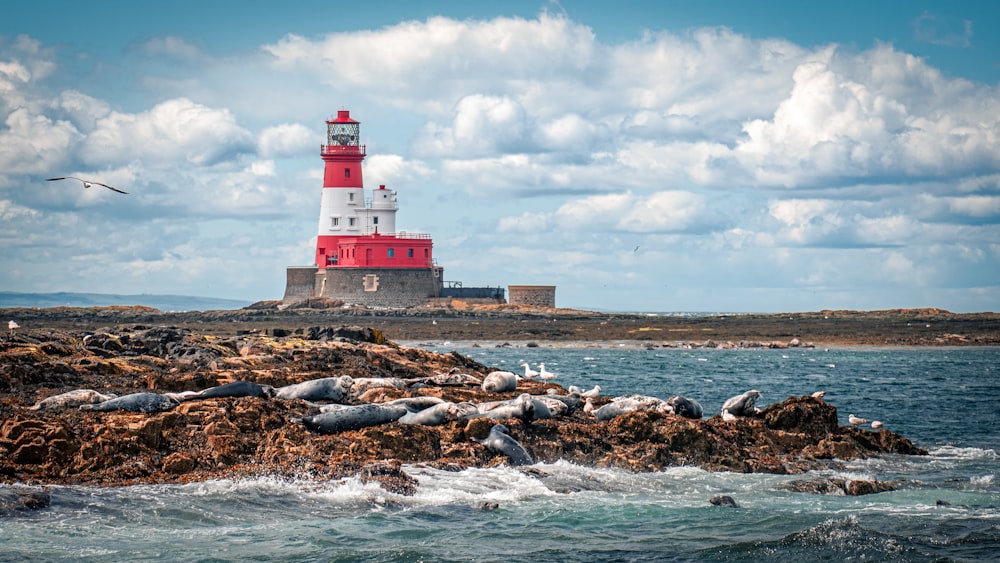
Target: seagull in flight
(87, 183)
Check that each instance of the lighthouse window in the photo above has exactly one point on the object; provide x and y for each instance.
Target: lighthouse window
(334, 222)
(375, 220)
(350, 221)
(350, 196)
(409, 253)
(347, 173)
(392, 252)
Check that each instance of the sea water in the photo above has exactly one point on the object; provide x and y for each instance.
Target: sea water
(946, 507)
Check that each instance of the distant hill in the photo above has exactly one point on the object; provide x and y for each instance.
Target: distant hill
(161, 302)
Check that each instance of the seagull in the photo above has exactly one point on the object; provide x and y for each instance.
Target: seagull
(528, 372)
(856, 420)
(87, 183)
(592, 393)
(13, 326)
(588, 405)
(544, 373)
(818, 395)
(876, 424)
(728, 416)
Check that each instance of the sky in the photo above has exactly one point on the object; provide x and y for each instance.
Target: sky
(722, 156)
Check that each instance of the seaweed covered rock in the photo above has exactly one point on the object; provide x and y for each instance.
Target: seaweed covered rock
(229, 436)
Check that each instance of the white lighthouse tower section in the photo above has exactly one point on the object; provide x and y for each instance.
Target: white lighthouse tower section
(341, 211)
(382, 213)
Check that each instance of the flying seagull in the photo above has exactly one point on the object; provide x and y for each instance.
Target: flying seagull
(87, 183)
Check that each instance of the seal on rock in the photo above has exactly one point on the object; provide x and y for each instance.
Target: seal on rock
(500, 441)
(742, 405)
(135, 402)
(327, 388)
(627, 404)
(522, 407)
(432, 416)
(234, 389)
(683, 406)
(500, 382)
(72, 399)
(353, 417)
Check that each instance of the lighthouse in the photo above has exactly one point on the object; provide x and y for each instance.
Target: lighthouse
(360, 257)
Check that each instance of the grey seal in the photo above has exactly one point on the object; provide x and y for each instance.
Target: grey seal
(353, 418)
(683, 406)
(362, 384)
(234, 389)
(72, 399)
(135, 402)
(453, 377)
(415, 404)
(499, 441)
(522, 407)
(500, 382)
(627, 404)
(328, 388)
(742, 405)
(432, 416)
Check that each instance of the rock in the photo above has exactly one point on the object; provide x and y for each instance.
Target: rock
(225, 437)
(20, 499)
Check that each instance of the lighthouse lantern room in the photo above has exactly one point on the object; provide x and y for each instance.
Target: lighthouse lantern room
(357, 235)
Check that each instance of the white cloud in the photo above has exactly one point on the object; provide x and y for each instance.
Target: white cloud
(287, 140)
(731, 161)
(174, 130)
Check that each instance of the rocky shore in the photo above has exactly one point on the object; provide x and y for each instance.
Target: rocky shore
(109, 351)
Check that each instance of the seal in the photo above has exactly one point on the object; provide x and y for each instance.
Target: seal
(500, 441)
(362, 384)
(683, 406)
(500, 382)
(135, 402)
(547, 406)
(327, 388)
(352, 417)
(453, 377)
(234, 389)
(572, 401)
(742, 405)
(71, 400)
(415, 404)
(522, 407)
(627, 404)
(432, 416)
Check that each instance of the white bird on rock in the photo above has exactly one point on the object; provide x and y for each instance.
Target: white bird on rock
(528, 372)
(13, 326)
(857, 420)
(544, 373)
(87, 183)
(818, 395)
(876, 424)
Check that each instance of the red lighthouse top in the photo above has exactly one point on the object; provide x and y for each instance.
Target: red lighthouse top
(343, 152)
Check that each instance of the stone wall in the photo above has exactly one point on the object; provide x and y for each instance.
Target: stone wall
(389, 288)
(300, 283)
(532, 295)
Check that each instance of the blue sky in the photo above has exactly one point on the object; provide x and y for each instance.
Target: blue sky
(654, 156)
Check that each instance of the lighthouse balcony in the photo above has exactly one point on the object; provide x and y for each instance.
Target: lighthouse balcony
(336, 150)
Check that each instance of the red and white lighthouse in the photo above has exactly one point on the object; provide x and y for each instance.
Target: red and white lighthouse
(360, 256)
(355, 231)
